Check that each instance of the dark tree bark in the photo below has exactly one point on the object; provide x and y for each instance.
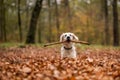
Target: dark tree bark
(19, 21)
(27, 13)
(57, 18)
(107, 34)
(33, 22)
(1, 31)
(115, 24)
(2, 21)
(50, 25)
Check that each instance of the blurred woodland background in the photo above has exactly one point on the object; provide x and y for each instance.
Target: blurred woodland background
(41, 21)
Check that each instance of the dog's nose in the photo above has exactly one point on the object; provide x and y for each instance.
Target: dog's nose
(68, 38)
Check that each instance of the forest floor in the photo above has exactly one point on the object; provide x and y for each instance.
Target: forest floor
(37, 63)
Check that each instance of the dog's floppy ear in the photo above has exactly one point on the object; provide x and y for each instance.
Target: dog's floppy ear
(61, 37)
(75, 37)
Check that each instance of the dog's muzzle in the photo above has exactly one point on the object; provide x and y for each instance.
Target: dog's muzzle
(68, 39)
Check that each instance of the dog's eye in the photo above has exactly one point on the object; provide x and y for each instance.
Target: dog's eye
(70, 34)
(65, 35)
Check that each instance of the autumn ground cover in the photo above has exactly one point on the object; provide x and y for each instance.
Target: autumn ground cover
(38, 63)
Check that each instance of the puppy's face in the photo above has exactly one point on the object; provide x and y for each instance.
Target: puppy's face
(68, 37)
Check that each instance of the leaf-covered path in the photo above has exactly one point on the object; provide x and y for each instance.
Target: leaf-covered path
(35, 63)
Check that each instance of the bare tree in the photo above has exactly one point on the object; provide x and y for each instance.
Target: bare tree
(27, 13)
(50, 24)
(2, 21)
(1, 30)
(107, 34)
(57, 18)
(115, 24)
(19, 21)
(33, 22)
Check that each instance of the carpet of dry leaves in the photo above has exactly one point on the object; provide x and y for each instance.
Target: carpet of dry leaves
(35, 63)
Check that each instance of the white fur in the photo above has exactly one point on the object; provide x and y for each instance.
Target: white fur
(68, 53)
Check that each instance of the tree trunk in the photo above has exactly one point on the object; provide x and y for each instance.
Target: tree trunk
(27, 13)
(57, 18)
(50, 25)
(107, 34)
(1, 33)
(115, 24)
(2, 21)
(33, 22)
(19, 21)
